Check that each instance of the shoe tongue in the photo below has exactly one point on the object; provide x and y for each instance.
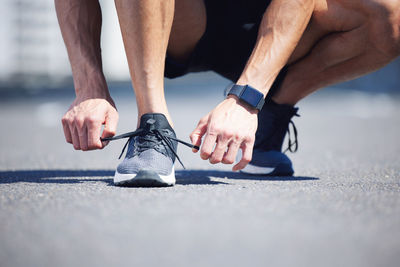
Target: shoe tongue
(158, 120)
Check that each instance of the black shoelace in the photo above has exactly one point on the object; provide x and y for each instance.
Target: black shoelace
(150, 135)
(151, 132)
(292, 143)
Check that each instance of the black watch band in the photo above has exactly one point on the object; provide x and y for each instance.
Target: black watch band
(248, 94)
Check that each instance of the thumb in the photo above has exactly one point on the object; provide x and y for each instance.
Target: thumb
(110, 127)
(197, 134)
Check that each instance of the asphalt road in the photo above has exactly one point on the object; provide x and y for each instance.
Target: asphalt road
(58, 206)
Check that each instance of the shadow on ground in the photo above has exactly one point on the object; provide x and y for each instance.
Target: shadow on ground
(188, 176)
(183, 177)
(56, 176)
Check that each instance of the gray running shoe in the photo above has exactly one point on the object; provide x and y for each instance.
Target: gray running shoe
(149, 160)
(274, 121)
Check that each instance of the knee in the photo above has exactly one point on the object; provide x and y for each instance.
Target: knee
(385, 28)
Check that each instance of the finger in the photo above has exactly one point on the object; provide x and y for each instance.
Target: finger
(219, 151)
(230, 155)
(94, 131)
(110, 128)
(75, 137)
(67, 132)
(247, 151)
(208, 145)
(197, 134)
(82, 134)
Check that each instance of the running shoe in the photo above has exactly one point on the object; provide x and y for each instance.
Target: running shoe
(274, 122)
(151, 153)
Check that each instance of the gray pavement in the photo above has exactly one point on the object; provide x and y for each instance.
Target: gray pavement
(58, 206)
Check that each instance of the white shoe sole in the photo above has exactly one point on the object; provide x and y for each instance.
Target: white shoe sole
(144, 178)
(251, 169)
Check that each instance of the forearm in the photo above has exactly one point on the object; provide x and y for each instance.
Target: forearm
(281, 28)
(80, 24)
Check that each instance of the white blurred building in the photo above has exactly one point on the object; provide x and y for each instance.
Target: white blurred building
(33, 53)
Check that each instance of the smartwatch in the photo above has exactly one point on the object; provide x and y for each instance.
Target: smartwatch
(248, 95)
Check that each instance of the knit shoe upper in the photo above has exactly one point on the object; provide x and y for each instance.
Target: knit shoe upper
(273, 124)
(148, 151)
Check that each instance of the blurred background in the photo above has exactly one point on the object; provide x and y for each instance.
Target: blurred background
(34, 55)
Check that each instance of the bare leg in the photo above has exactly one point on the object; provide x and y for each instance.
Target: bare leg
(188, 27)
(339, 57)
(146, 28)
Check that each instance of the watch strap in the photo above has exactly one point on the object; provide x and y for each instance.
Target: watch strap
(248, 94)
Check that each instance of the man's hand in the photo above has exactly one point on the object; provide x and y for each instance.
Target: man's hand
(83, 121)
(229, 126)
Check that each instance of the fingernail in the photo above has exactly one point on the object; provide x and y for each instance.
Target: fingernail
(104, 143)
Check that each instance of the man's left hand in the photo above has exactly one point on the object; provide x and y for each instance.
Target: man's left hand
(229, 127)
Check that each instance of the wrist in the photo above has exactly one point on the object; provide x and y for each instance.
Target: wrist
(91, 85)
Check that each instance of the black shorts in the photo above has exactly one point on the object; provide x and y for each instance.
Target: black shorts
(230, 36)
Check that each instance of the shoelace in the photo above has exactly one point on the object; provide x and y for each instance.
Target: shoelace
(167, 139)
(291, 143)
(152, 132)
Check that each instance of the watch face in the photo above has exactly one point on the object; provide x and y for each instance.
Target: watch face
(251, 96)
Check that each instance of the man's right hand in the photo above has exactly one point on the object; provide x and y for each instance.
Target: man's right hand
(83, 121)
